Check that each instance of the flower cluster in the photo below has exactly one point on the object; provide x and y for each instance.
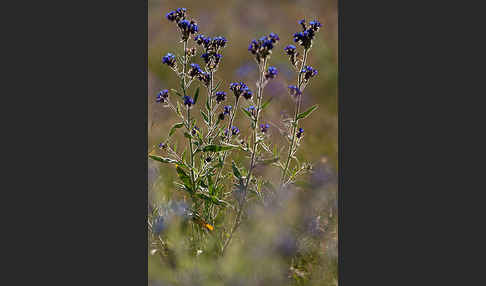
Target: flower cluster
(162, 96)
(209, 44)
(220, 96)
(300, 132)
(251, 109)
(271, 73)
(211, 47)
(305, 37)
(264, 127)
(186, 27)
(188, 100)
(291, 51)
(211, 59)
(234, 131)
(308, 72)
(177, 15)
(204, 77)
(239, 88)
(262, 47)
(294, 90)
(169, 60)
(195, 70)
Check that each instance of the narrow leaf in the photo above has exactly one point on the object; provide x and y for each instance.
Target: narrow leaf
(236, 172)
(174, 127)
(216, 148)
(196, 95)
(266, 103)
(162, 159)
(307, 112)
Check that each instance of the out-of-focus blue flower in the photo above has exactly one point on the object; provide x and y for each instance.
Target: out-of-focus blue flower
(264, 127)
(162, 96)
(169, 60)
(294, 90)
(162, 145)
(220, 96)
(158, 225)
(271, 73)
(235, 130)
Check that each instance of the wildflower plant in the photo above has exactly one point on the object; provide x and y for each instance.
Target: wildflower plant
(216, 184)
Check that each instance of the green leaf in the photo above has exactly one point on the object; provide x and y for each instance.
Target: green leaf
(269, 161)
(217, 85)
(307, 112)
(174, 127)
(236, 171)
(266, 103)
(207, 104)
(176, 92)
(196, 95)
(216, 148)
(162, 159)
(247, 113)
(205, 117)
(184, 178)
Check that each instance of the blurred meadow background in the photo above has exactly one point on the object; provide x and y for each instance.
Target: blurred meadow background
(294, 243)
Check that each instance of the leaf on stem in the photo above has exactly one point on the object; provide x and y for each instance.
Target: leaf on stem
(162, 159)
(216, 148)
(307, 112)
(174, 127)
(196, 95)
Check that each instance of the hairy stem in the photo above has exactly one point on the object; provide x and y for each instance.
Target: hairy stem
(294, 122)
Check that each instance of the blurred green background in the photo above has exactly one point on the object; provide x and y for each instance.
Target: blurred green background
(240, 22)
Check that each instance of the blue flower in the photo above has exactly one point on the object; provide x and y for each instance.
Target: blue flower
(204, 77)
(294, 90)
(315, 25)
(169, 60)
(162, 96)
(227, 109)
(241, 89)
(308, 72)
(194, 130)
(188, 101)
(235, 130)
(264, 127)
(262, 47)
(195, 70)
(171, 16)
(271, 73)
(305, 37)
(158, 225)
(300, 132)
(162, 145)
(290, 50)
(187, 28)
(199, 39)
(220, 96)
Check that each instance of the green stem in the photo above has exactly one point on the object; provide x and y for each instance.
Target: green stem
(295, 122)
(253, 157)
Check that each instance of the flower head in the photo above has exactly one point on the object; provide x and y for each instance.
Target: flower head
(162, 145)
(262, 47)
(188, 100)
(195, 70)
(227, 109)
(187, 28)
(305, 37)
(290, 50)
(264, 127)
(294, 90)
(169, 60)
(204, 77)
(177, 15)
(239, 88)
(271, 73)
(300, 132)
(195, 130)
(211, 59)
(162, 96)
(235, 130)
(308, 72)
(220, 96)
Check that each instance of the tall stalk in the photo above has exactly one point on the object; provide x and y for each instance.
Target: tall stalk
(253, 155)
(295, 122)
